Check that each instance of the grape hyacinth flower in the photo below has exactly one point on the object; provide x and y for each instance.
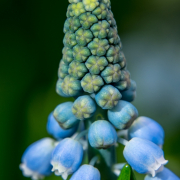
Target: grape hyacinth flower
(86, 172)
(93, 73)
(166, 174)
(146, 128)
(122, 115)
(144, 156)
(36, 159)
(66, 120)
(67, 157)
(56, 131)
(102, 134)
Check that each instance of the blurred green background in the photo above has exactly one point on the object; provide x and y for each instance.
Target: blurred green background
(30, 50)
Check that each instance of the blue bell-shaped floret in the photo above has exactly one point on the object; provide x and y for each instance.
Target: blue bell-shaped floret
(165, 174)
(36, 159)
(64, 116)
(56, 131)
(67, 157)
(102, 134)
(144, 156)
(146, 128)
(122, 115)
(86, 172)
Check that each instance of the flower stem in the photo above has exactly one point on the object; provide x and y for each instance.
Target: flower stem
(94, 160)
(107, 157)
(122, 141)
(81, 134)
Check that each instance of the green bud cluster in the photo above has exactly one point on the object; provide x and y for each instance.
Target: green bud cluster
(92, 53)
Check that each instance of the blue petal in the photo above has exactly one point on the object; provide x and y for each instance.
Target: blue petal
(144, 156)
(37, 156)
(68, 154)
(102, 134)
(122, 115)
(146, 128)
(56, 131)
(166, 174)
(64, 116)
(86, 172)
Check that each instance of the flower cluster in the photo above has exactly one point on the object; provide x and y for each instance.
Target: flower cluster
(93, 71)
(93, 56)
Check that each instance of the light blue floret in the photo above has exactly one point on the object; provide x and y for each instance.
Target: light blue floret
(64, 116)
(102, 134)
(56, 131)
(146, 128)
(122, 115)
(166, 174)
(36, 159)
(67, 157)
(144, 156)
(86, 172)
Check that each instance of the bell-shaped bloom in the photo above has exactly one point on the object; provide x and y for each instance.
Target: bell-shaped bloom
(146, 128)
(102, 134)
(36, 159)
(64, 116)
(67, 157)
(144, 156)
(122, 115)
(56, 131)
(86, 172)
(166, 174)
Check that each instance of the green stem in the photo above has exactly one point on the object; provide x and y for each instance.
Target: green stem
(107, 156)
(81, 134)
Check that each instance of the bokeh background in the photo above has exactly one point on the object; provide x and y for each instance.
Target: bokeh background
(30, 50)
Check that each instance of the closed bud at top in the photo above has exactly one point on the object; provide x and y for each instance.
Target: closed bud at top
(92, 54)
(90, 5)
(166, 174)
(122, 115)
(56, 131)
(102, 134)
(146, 128)
(86, 172)
(74, 1)
(67, 157)
(108, 97)
(59, 88)
(84, 107)
(71, 86)
(144, 156)
(64, 116)
(36, 159)
(100, 11)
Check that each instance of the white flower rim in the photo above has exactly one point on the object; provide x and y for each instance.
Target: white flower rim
(60, 170)
(29, 173)
(157, 166)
